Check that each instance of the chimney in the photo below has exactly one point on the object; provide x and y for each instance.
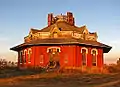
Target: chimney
(70, 18)
(50, 17)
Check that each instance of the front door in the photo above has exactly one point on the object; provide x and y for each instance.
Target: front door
(54, 57)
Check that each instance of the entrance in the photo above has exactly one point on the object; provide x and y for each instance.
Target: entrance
(53, 57)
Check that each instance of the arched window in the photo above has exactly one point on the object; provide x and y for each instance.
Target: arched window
(84, 52)
(94, 57)
(25, 56)
(21, 57)
(41, 59)
(29, 55)
(84, 36)
(55, 35)
(53, 49)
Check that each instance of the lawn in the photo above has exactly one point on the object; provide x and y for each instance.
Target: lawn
(41, 79)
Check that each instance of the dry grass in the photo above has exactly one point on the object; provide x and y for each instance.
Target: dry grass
(62, 80)
(12, 77)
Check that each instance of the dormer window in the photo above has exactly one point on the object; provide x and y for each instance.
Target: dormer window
(54, 32)
(84, 36)
(55, 35)
(60, 29)
(30, 37)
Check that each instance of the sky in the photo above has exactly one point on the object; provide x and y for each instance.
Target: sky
(18, 16)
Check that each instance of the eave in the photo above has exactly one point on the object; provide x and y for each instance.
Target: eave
(105, 47)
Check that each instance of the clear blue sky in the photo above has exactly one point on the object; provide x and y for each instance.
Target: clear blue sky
(18, 16)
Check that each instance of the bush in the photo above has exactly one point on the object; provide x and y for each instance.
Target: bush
(112, 68)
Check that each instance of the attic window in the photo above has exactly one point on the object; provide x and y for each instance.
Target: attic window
(60, 29)
(54, 32)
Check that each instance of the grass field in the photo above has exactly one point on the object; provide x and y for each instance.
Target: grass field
(35, 79)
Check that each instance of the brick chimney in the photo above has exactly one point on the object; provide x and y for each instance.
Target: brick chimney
(50, 17)
(70, 18)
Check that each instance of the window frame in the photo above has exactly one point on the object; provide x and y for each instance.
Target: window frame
(84, 48)
(21, 57)
(50, 48)
(96, 53)
(29, 55)
(24, 56)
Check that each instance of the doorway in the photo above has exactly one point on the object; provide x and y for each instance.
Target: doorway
(54, 57)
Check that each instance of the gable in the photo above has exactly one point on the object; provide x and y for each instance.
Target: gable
(85, 31)
(54, 29)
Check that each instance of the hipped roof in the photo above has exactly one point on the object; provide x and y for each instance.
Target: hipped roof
(64, 26)
(63, 41)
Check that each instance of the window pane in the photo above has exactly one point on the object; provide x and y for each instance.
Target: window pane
(29, 55)
(83, 57)
(58, 50)
(94, 58)
(25, 55)
(21, 56)
(50, 50)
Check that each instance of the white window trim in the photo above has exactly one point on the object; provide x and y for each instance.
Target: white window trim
(21, 57)
(94, 49)
(29, 53)
(25, 52)
(52, 48)
(85, 49)
(86, 54)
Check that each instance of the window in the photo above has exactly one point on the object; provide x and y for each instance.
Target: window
(83, 57)
(60, 29)
(53, 49)
(94, 57)
(21, 56)
(41, 59)
(58, 50)
(84, 36)
(84, 52)
(50, 50)
(29, 55)
(30, 37)
(55, 35)
(25, 56)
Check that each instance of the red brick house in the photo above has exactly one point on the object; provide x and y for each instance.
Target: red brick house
(61, 44)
